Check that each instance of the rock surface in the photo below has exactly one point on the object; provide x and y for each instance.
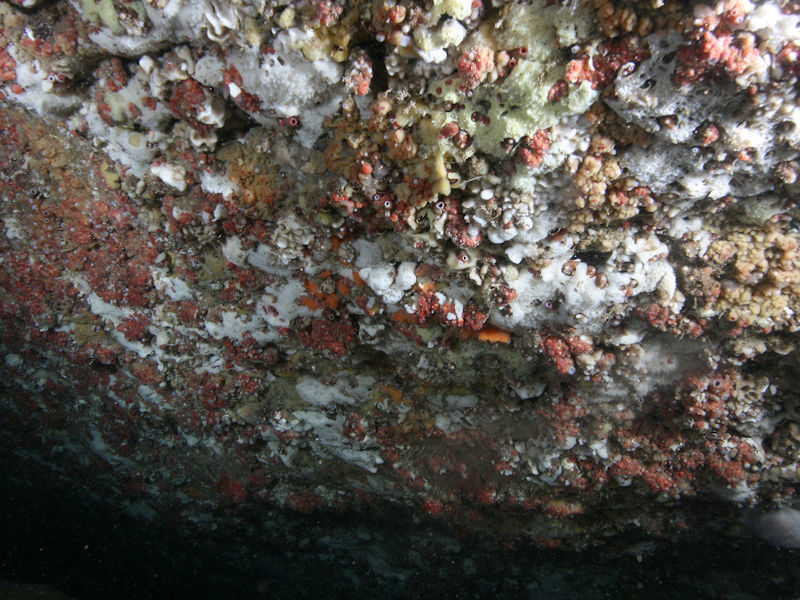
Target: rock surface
(527, 270)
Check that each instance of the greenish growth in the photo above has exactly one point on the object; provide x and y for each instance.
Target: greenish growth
(516, 108)
(542, 29)
(525, 26)
(136, 140)
(519, 106)
(110, 176)
(103, 12)
(118, 108)
(572, 25)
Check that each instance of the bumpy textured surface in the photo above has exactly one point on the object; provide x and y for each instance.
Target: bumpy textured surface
(526, 269)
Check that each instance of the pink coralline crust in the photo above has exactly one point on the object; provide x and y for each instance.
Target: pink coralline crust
(392, 209)
(248, 383)
(457, 229)
(659, 480)
(564, 415)
(113, 73)
(602, 67)
(788, 58)
(328, 12)
(32, 292)
(354, 427)
(231, 490)
(626, 467)
(350, 205)
(431, 310)
(188, 311)
(673, 462)
(703, 398)
(305, 503)
(360, 75)
(105, 246)
(333, 336)
(559, 91)
(427, 304)
(485, 495)
(8, 66)
(244, 100)
(474, 318)
(662, 318)
(135, 329)
(531, 150)
(432, 507)
(561, 351)
(713, 55)
(562, 510)
(146, 372)
(187, 99)
(716, 48)
(105, 354)
(725, 14)
(474, 65)
(41, 47)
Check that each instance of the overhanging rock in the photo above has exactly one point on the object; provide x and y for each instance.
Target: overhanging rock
(527, 270)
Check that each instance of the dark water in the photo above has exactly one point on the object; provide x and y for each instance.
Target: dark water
(65, 537)
(86, 549)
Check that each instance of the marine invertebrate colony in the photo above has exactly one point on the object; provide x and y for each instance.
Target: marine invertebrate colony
(507, 263)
